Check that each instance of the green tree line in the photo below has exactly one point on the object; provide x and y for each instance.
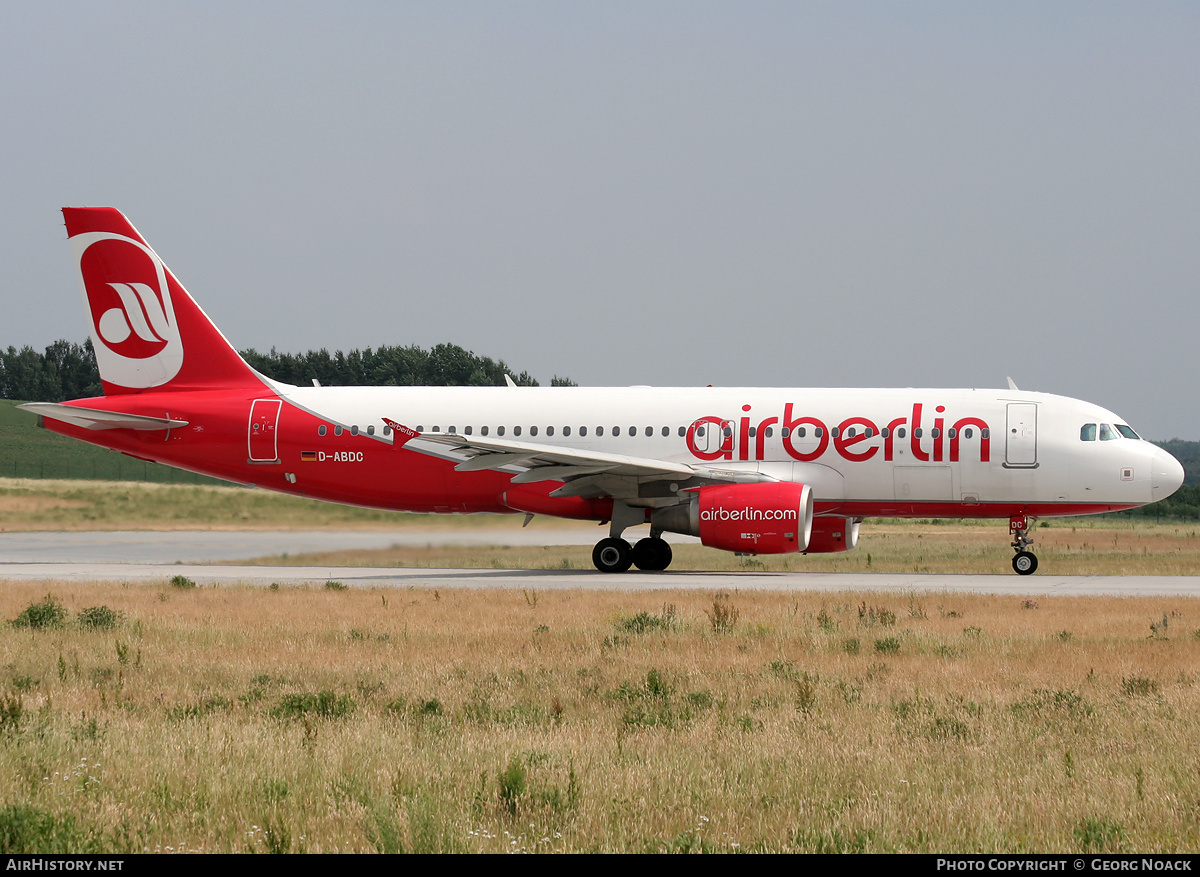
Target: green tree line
(68, 371)
(1183, 503)
(64, 371)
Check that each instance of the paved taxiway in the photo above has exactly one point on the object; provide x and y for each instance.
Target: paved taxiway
(218, 546)
(143, 556)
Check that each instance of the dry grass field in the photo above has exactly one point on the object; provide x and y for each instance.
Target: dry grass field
(172, 718)
(167, 718)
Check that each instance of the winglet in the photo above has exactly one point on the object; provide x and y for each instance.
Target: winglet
(403, 434)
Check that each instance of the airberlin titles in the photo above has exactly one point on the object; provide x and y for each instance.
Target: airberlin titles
(749, 513)
(856, 438)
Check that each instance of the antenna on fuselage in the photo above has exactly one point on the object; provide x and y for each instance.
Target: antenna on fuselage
(1012, 385)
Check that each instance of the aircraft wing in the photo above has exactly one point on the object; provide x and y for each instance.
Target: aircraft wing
(95, 418)
(584, 472)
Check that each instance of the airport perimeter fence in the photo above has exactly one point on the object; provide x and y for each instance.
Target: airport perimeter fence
(117, 468)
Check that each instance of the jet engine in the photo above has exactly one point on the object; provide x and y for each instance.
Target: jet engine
(764, 518)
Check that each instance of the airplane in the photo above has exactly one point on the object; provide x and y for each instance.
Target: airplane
(747, 470)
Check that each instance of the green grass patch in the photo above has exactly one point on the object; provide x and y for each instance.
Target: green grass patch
(47, 613)
(323, 704)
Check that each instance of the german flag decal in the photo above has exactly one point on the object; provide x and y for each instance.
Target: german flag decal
(308, 456)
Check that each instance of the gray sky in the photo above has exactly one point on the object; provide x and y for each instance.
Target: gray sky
(776, 194)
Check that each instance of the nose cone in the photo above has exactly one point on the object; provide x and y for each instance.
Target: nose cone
(1166, 474)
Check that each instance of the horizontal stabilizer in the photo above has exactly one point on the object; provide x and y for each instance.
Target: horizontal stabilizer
(94, 418)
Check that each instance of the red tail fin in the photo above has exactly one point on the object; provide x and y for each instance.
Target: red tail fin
(147, 331)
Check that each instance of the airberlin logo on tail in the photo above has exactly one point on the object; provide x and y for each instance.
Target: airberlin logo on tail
(139, 314)
(129, 298)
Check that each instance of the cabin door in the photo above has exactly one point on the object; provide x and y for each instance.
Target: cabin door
(1020, 439)
(263, 431)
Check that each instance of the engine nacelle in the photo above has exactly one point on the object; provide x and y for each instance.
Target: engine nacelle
(764, 518)
(832, 533)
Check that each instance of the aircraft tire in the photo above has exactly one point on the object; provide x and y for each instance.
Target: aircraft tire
(652, 554)
(1024, 563)
(612, 555)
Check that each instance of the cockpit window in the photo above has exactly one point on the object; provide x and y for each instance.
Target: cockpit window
(1127, 432)
(1087, 432)
(1107, 433)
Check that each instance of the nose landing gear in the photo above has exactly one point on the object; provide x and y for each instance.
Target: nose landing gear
(1024, 563)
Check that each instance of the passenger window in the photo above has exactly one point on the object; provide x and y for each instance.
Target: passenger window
(802, 432)
(321, 429)
(633, 430)
(1087, 432)
(600, 431)
(499, 430)
(968, 433)
(834, 432)
(666, 431)
(1107, 433)
(466, 430)
(533, 430)
(818, 432)
(582, 431)
(649, 431)
(770, 431)
(786, 431)
(453, 430)
(549, 430)
(566, 430)
(885, 432)
(682, 431)
(951, 432)
(901, 432)
(371, 429)
(918, 432)
(387, 430)
(751, 433)
(483, 430)
(849, 433)
(935, 432)
(337, 430)
(516, 430)
(984, 433)
(728, 431)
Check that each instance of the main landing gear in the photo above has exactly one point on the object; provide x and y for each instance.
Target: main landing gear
(614, 554)
(1024, 563)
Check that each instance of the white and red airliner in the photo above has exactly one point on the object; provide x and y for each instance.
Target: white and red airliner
(756, 471)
